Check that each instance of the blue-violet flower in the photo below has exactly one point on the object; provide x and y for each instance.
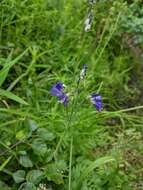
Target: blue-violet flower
(96, 100)
(56, 90)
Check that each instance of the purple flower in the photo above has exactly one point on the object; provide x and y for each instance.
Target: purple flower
(56, 90)
(96, 100)
(63, 99)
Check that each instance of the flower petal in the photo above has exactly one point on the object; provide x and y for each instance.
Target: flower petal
(96, 100)
(59, 85)
(63, 99)
(55, 92)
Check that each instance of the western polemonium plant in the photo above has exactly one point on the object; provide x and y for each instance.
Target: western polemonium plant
(57, 90)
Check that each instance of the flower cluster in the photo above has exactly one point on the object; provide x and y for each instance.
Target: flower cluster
(57, 90)
(89, 19)
(82, 73)
(88, 22)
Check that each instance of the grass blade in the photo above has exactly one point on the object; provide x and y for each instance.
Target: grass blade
(10, 95)
(4, 71)
(5, 163)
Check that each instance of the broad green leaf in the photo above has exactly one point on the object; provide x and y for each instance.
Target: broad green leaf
(25, 161)
(27, 186)
(34, 176)
(4, 71)
(45, 134)
(32, 125)
(19, 176)
(10, 95)
(3, 186)
(39, 147)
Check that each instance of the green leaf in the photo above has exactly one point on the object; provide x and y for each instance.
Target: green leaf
(22, 152)
(39, 147)
(27, 186)
(19, 176)
(20, 135)
(10, 95)
(4, 71)
(25, 161)
(53, 173)
(3, 186)
(34, 176)
(32, 124)
(45, 134)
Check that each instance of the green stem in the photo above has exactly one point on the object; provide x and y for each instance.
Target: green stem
(74, 102)
(130, 109)
(70, 163)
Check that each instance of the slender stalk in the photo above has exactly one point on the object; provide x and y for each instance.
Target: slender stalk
(58, 145)
(130, 109)
(69, 118)
(70, 164)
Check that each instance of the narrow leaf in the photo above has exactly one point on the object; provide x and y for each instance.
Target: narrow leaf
(4, 71)
(12, 96)
(5, 163)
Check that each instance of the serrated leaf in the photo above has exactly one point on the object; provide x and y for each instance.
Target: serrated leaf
(25, 161)
(45, 134)
(19, 176)
(10, 95)
(39, 147)
(34, 176)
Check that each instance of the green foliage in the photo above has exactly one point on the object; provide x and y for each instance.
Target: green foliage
(25, 161)
(19, 176)
(42, 42)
